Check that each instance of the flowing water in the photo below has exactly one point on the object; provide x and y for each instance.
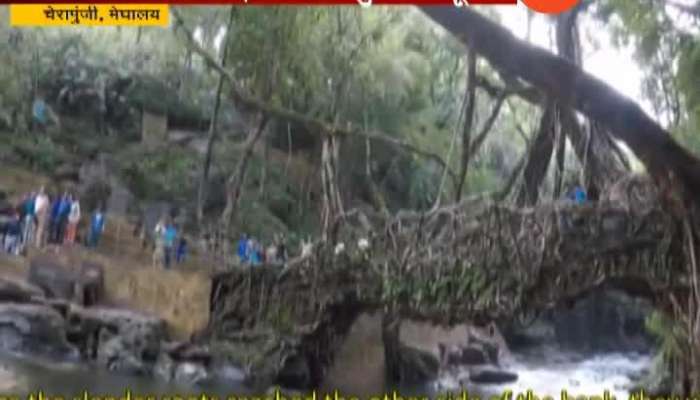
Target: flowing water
(545, 371)
(358, 371)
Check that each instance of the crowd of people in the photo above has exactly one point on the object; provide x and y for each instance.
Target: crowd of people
(39, 219)
(251, 251)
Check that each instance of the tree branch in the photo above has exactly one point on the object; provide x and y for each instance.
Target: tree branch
(314, 126)
(572, 87)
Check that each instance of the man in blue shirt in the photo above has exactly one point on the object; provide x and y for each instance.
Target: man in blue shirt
(63, 211)
(169, 242)
(97, 225)
(53, 220)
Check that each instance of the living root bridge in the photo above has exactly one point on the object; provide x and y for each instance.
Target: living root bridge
(471, 262)
(459, 264)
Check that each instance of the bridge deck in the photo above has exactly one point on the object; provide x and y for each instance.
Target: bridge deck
(453, 265)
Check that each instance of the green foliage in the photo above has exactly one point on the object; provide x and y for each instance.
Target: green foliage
(665, 49)
(162, 175)
(668, 332)
(38, 152)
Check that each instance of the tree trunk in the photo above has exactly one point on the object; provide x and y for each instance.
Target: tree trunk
(468, 120)
(538, 158)
(593, 149)
(234, 185)
(572, 87)
(206, 164)
(375, 194)
(332, 202)
(560, 156)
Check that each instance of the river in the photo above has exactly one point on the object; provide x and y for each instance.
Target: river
(544, 370)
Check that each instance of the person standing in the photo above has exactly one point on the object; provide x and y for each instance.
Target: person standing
(64, 212)
(169, 242)
(97, 226)
(73, 221)
(53, 220)
(28, 219)
(41, 208)
(159, 239)
(181, 250)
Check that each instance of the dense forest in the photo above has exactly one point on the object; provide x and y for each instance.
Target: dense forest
(283, 119)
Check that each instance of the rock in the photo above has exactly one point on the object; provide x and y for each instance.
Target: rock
(84, 286)
(114, 354)
(126, 341)
(190, 373)
(91, 284)
(56, 280)
(490, 340)
(295, 373)
(19, 291)
(492, 376)
(33, 328)
(411, 365)
(454, 356)
(472, 355)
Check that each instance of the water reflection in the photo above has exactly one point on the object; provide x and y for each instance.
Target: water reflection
(23, 376)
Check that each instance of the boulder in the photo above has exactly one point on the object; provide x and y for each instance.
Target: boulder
(34, 328)
(492, 376)
(84, 286)
(454, 356)
(295, 373)
(54, 279)
(472, 355)
(411, 365)
(116, 354)
(19, 291)
(126, 341)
